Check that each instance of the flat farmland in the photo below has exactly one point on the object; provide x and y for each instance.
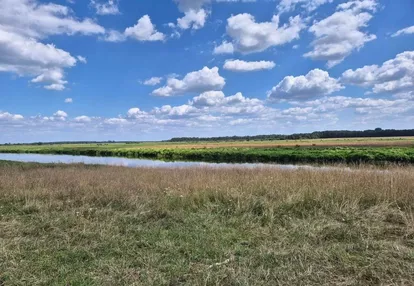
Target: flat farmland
(337, 142)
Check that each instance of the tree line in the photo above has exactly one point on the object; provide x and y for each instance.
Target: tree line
(378, 132)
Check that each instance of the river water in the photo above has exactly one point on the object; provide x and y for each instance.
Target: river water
(134, 163)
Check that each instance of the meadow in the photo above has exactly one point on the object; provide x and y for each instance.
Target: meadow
(355, 150)
(91, 225)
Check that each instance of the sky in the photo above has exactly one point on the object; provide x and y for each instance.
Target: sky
(83, 70)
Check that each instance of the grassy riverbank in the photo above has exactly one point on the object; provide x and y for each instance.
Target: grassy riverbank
(307, 151)
(90, 225)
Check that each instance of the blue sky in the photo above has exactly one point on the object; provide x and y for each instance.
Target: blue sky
(151, 70)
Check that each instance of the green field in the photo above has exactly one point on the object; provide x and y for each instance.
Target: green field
(358, 150)
(90, 225)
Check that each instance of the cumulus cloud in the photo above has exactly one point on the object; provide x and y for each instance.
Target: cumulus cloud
(82, 119)
(106, 8)
(144, 30)
(6, 116)
(224, 48)
(194, 15)
(213, 110)
(58, 116)
(23, 25)
(316, 83)
(69, 100)
(243, 66)
(393, 76)
(405, 31)
(153, 81)
(136, 113)
(249, 36)
(193, 19)
(60, 113)
(338, 35)
(308, 5)
(33, 19)
(181, 111)
(197, 81)
(216, 101)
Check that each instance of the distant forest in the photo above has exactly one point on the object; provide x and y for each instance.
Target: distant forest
(378, 132)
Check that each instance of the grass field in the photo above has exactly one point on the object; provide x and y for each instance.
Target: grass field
(356, 150)
(89, 225)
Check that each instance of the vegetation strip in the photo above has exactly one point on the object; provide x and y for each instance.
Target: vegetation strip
(263, 155)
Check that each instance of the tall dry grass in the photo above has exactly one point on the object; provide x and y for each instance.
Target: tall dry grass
(87, 225)
(90, 184)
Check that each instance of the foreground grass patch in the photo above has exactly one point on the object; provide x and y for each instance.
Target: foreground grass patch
(88, 225)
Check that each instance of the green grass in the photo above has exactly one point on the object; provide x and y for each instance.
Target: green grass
(232, 154)
(89, 225)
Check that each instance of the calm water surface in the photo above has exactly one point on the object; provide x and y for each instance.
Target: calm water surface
(133, 163)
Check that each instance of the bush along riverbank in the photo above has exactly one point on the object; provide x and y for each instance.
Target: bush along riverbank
(404, 155)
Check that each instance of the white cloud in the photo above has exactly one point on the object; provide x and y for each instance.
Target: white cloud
(366, 109)
(308, 5)
(197, 81)
(55, 86)
(180, 111)
(243, 66)
(224, 48)
(28, 57)
(340, 34)
(60, 113)
(82, 59)
(116, 121)
(82, 119)
(335, 103)
(153, 81)
(108, 8)
(192, 19)
(211, 112)
(37, 20)
(405, 31)
(144, 30)
(249, 36)
(23, 24)
(216, 101)
(194, 15)
(52, 76)
(316, 83)
(136, 113)
(114, 36)
(393, 76)
(6, 116)
(69, 100)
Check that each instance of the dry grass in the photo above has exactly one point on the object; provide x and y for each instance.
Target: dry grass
(332, 142)
(87, 225)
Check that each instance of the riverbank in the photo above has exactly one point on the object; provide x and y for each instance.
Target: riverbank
(92, 225)
(282, 155)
